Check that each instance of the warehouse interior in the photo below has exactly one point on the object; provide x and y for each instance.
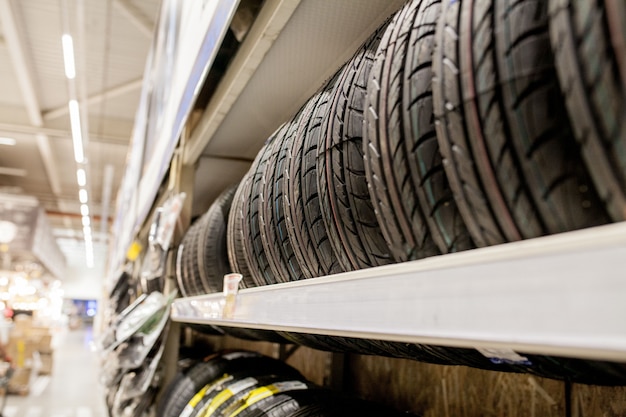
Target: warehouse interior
(312, 208)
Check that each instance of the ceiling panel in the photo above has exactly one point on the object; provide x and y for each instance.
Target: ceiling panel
(112, 39)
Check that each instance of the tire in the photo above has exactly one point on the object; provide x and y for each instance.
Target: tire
(212, 249)
(213, 368)
(589, 43)
(231, 396)
(234, 238)
(512, 166)
(254, 253)
(345, 202)
(274, 234)
(192, 282)
(257, 335)
(414, 203)
(541, 134)
(181, 268)
(307, 228)
(286, 403)
(294, 203)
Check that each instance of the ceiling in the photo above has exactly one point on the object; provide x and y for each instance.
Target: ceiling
(111, 42)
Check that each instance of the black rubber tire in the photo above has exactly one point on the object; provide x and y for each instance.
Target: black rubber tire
(214, 367)
(589, 43)
(305, 214)
(345, 202)
(213, 252)
(181, 267)
(549, 156)
(229, 396)
(286, 403)
(488, 220)
(294, 203)
(274, 235)
(414, 203)
(514, 169)
(258, 335)
(234, 238)
(254, 252)
(192, 282)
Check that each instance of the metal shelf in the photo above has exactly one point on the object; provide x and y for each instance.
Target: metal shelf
(557, 295)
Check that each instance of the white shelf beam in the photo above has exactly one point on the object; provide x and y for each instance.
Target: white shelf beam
(562, 295)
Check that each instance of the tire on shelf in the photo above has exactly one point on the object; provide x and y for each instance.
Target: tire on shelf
(407, 182)
(549, 156)
(230, 395)
(235, 239)
(213, 368)
(589, 43)
(254, 252)
(274, 235)
(212, 248)
(345, 202)
(302, 205)
(503, 131)
(284, 404)
(191, 271)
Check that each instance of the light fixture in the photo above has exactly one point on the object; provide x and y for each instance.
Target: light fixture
(82, 196)
(68, 56)
(84, 209)
(7, 141)
(86, 221)
(81, 177)
(77, 134)
(8, 231)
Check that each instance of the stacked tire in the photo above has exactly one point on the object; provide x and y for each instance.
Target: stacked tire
(246, 384)
(457, 124)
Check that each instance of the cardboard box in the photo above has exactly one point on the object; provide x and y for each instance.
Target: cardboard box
(46, 363)
(20, 349)
(20, 381)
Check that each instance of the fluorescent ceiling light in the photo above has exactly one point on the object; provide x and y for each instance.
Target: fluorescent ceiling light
(77, 134)
(87, 232)
(81, 177)
(82, 196)
(7, 141)
(86, 221)
(68, 56)
(84, 209)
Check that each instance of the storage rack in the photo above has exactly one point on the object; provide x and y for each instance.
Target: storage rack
(558, 295)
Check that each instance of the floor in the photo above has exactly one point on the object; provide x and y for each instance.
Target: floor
(72, 390)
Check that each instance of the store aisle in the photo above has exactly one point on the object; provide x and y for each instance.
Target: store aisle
(72, 390)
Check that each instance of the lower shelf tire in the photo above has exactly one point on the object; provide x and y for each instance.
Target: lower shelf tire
(348, 212)
(589, 43)
(255, 334)
(215, 367)
(284, 404)
(212, 252)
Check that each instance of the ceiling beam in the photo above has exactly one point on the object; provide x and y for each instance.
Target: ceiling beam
(24, 71)
(135, 17)
(112, 92)
(35, 130)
